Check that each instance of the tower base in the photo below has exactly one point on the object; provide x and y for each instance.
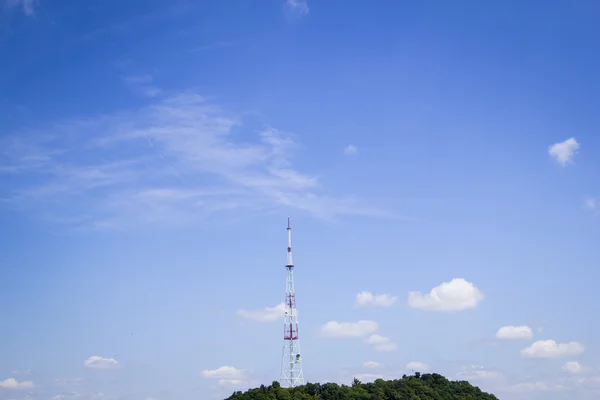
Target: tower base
(291, 365)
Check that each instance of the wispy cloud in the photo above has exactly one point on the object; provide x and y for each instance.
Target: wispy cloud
(371, 364)
(357, 329)
(28, 6)
(298, 7)
(478, 373)
(591, 203)
(267, 314)
(18, 372)
(537, 386)
(381, 343)
(368, 299)
(350, 150)
(143, 84)
(69, 382)
(176, 159)
(572, 367)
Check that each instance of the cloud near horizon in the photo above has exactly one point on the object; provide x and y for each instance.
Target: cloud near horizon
(13, 384)
(478, 374)
(175, 159)
(227, 376)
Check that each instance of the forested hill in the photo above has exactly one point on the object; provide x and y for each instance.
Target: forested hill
(416, 387)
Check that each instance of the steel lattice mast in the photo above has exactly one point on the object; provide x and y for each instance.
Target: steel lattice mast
(291, 362)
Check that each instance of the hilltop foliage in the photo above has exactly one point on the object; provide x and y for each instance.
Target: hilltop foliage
(416, 387)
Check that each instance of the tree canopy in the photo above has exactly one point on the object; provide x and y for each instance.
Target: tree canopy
(414, 387)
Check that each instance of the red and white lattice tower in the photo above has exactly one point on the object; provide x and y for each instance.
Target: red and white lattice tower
(291, 362)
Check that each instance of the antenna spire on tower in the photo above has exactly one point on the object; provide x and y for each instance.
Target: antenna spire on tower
(291, 362)
(290, 263)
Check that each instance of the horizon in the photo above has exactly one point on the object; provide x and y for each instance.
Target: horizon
(439, 163)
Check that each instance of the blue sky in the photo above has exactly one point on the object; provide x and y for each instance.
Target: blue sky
(439, 162)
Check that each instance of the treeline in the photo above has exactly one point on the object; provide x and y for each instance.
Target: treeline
(414, 387)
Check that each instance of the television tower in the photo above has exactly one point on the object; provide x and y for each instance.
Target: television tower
(291, 362)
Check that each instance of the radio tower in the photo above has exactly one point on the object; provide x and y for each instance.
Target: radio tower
(291, 362)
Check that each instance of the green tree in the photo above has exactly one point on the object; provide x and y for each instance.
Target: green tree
(417, 387)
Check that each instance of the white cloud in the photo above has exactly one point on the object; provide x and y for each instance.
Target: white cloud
(381, 343)
(267, 314)
(418, 366)
(551, 349)
(456, 295)
(563, 152)
(27, 5)
(227, 376)
(97, 362)
(479, 373)
(512, 332)
(147, 166)
(224, 372)
(350, 150)
(371, 364)
(298, 6)
(364, 299)
(573, 367)
(349, 329)
(13, 384)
